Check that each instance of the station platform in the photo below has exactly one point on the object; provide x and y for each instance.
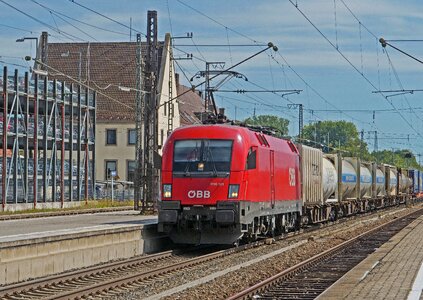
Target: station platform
(31, 248)
(22, 228)
(394, 271)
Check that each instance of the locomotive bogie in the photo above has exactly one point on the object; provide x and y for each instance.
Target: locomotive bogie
(226, 222)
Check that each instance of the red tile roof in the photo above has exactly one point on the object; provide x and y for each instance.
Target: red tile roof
(189, 104)
(104, 66)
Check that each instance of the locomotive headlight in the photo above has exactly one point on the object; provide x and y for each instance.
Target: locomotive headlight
(233, 191)
(167, 190)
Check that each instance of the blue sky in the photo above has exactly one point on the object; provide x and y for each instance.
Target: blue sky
(331, 86)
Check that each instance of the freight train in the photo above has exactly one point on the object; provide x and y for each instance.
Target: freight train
(222, 183)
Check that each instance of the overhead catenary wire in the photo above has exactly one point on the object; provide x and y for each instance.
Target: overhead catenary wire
(400, 84)
(68, 35)
(77, 28)
(170, 19)
(256, 42)
(270, 45)
(108, 18)
(339, 110)
(353, 66)
(76, 20)
(315, 91)
(17, 28)
(373, 125)
(224, 45)
(259, 101)
(217, 22)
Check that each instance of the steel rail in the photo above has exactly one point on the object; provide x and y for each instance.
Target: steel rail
(51, 280)
(120, 282)
(101, 279)
(290, 272)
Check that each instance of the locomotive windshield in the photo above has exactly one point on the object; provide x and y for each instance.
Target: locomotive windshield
(202, 157)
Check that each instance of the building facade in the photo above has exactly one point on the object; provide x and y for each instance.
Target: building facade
(110, 69)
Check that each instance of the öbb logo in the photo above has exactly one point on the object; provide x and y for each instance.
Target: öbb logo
(198, 194)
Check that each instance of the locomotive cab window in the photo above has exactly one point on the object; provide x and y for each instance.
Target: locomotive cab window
(202, 157)
(251, 159)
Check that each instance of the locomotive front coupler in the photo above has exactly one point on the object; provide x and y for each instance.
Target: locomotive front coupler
(197, 224)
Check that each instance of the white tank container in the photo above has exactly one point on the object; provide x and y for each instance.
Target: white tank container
(392, 182)
(404, 183)
(349, 179)
(365, 181)
(409, 183)
(329, 178)
(380, 182)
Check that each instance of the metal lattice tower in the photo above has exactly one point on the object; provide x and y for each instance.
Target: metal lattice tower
(169, 103)
(209, 104)
(375, 143)
(300, 118)
(139, 174)
(151, 179)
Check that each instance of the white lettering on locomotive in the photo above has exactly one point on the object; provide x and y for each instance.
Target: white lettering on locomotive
(198, 194)
(291, 176)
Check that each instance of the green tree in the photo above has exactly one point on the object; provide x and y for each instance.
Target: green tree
(280, 124)
(337, 135)
(403, 158)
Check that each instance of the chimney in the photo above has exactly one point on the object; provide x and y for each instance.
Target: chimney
(43, 46)
(177, 79)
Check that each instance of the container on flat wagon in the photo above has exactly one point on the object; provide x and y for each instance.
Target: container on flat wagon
(414, 176)
(380, 181)
(349, 179)
(405, 181)
(312, 175)
(365, 180)
(330, 178)
(391, 180)
(420, 181)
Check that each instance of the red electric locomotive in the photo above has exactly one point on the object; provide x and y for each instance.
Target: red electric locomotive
(221, 183)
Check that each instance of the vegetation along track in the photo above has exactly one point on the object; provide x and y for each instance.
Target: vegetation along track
(312, 277)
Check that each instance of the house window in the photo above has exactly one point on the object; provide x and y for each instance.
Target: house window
(132, 136)
(110, 136)
(111, 165)
(130, 170)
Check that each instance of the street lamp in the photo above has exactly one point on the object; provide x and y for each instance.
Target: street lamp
(30, 38)
(67, 53)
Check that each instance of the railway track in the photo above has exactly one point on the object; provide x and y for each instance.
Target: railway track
(117, 277)
(52, 285)
(312, 277)
(107, 279)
